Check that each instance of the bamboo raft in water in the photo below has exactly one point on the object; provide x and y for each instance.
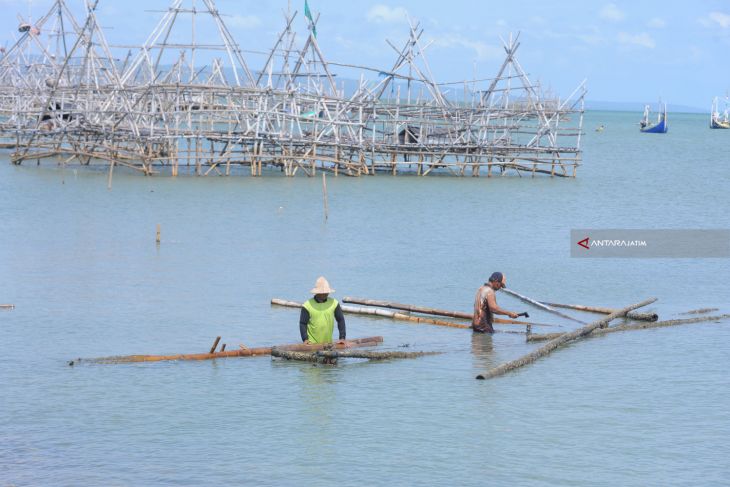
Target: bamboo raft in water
(632, 326)
(560, 341)
(406, 317)
(242, 352)
(426, 310)
(329, 356)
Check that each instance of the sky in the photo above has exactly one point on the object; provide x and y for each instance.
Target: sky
(628, 51)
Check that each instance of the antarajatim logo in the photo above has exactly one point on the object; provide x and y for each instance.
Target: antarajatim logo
(585, 243)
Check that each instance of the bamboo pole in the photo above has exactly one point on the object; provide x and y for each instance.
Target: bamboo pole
(215, 344)
(559, 341)
(324, 194)
(329, 355)
(632, 326)
(407, 307)
(699, 311)
(541, 305)
(7, 306)
(243, 352)
(402, 316)
(605, 311)
(432, 311)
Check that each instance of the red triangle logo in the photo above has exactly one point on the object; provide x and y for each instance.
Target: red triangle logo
(585, 243)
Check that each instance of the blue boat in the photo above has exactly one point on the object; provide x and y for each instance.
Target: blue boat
(660, 127)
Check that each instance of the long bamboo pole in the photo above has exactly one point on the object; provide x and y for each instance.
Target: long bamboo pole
(605, 311)
(243, 352)
(537, 337)
(407, 307)
(7, 306)
(559, 341)
(403, 317)
(541, 305)
(334, 354)
(431, 311)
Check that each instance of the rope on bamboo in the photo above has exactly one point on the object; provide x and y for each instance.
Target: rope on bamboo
(559, 341)
(633, 326)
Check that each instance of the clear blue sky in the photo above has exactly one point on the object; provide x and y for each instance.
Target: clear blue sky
(628, 50)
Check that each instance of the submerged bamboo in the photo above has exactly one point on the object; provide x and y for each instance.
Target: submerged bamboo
(632, 326)
(605, 311)
(328, 355)
(541, 305)
(559, 341)
(699, 311)
(243, 352)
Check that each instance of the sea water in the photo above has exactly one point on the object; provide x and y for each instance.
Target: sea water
(81, 265)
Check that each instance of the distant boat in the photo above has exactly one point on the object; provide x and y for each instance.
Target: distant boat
(660, 127)
(718, 121)
(600, 128)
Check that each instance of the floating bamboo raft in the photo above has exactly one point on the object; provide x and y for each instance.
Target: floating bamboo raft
(559, 341)
(535, 337)
(331, 356)
(407, 317)
(241, 352)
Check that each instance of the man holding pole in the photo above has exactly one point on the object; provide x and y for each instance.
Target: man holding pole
(485, 304)
(318, 315)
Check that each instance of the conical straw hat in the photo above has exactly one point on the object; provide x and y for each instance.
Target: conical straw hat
(322, 286)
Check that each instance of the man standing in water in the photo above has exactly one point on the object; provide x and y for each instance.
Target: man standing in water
(485, 304)
(317, 319)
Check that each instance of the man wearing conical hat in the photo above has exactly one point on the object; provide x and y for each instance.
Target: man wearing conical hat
(317, 319)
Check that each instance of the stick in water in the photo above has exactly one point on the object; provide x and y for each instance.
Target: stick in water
(324, 193)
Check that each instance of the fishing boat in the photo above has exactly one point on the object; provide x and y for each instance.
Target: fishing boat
(718, 121)
(660, 127)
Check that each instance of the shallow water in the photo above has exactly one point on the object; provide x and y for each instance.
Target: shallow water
(81, 265)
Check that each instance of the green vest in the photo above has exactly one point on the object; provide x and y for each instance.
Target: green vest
(321, 320)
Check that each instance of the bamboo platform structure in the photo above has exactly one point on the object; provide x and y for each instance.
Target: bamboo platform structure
(180, 105)
(241, 352)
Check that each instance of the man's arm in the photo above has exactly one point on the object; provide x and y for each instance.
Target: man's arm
(340, 317)
(303, 322)
(492, 301)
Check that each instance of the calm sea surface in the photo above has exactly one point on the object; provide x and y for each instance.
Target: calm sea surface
(81, 265)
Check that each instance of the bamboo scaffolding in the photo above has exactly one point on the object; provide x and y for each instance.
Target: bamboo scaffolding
(241, 352)
(537, 337)
(160, 108)
(559, 341)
